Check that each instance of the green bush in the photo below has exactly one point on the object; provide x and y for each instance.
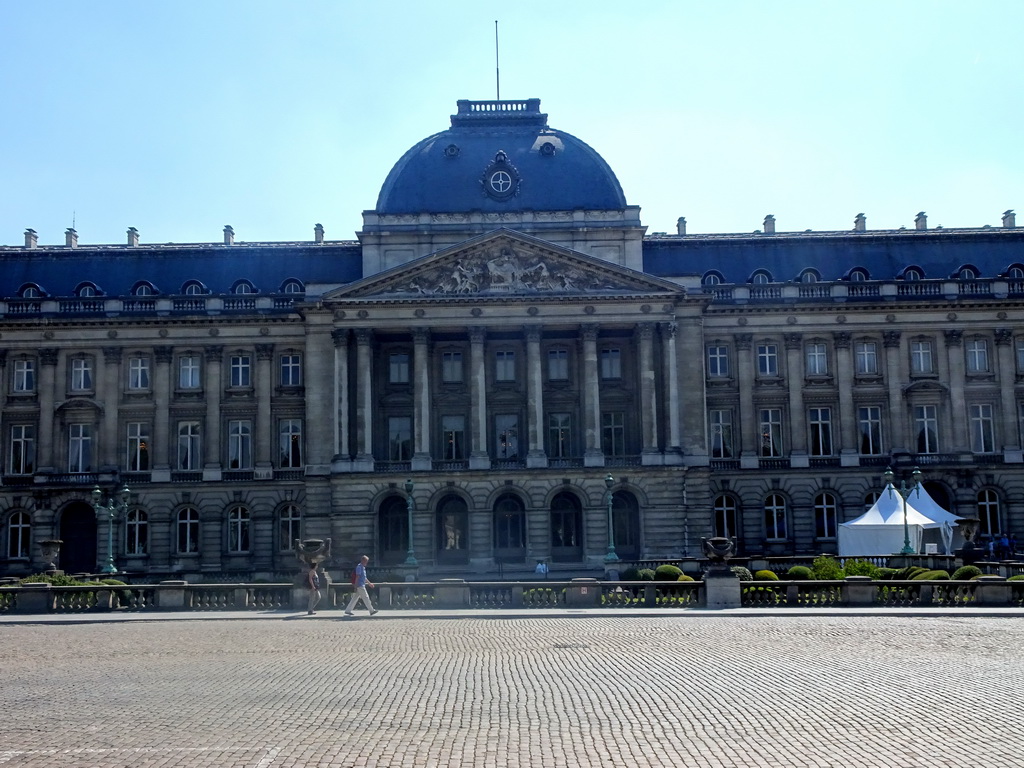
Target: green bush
(799, 573)
(909, 572)
(885, 573)
(667, 573)
(966, 572)
(826, 567)
(765, 575)
(741, 573)
(56, 580)
(932, 576)
(861, 568)
(684, 577)
(1018, 577)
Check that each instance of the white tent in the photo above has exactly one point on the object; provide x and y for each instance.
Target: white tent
(941, 519)
(879, 531)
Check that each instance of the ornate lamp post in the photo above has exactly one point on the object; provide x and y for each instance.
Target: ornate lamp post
(904, 491)
(111, 510)
(411, 556)
(611, 557)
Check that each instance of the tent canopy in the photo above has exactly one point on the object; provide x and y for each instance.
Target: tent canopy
(880, 531)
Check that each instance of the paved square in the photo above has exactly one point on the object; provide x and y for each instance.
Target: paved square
(539, 692)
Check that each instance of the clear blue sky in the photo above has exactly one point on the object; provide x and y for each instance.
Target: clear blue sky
(180, 117)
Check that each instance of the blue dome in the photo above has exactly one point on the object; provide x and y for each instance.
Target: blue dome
(499, 156)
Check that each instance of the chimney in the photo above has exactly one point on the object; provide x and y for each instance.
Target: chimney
(133, 237)
(229, 235)
(921, 220)
(769, 224)
(860, 223)
(318, 233)
(70, 238)
(32, 239)
(1009, 221)
(681, 225)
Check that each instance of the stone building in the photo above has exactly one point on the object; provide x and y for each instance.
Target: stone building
(503, 360)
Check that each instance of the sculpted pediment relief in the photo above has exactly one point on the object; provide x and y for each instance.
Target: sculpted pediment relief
(506, 266)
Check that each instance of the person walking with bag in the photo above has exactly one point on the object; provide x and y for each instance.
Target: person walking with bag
(314, 589)
(359, 585)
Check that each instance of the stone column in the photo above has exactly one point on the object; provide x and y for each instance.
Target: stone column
(421, 403)
(1006, 375)
(535, 456)
(161, 466)
(797, 415)
(364, 400)
(342, 461)
(848, 448)
(648, 396)
(265, 431)
(957, 416)
(669, 364)
(319, 362)
(593, 455)
(897, 441)
(47, 382)
(747, 416)
(479, 458)
(109, 395)
(213, 388)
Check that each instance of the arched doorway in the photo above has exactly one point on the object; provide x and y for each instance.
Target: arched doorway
(78, 532)
(509, 530)
(626, 521)
(393, 531)
(452, 531)
(566, 529)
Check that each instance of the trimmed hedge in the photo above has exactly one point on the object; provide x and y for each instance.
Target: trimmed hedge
(799, 573)
(765, 575)
(861, 568)
(932, 576)
(826, 567)
(684, 577)
(638, 574)
(966, 573)
(667, 573)
(743, 574)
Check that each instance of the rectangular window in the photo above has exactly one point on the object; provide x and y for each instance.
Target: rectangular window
(451, 367)
(926, 427)
(983, 438)
(188, 532)
(290, 443)
(291, 370)
(241, 371)
(921, 357)
(189, 458)
(767, 359)
(138, 447)
(453, 436)
(24, 375)
(720, 424)
(505, 365)
(977, 356)
(558, 365)
(79, 448)
(81, 374)
(820, 422)
(611, 363)
(771, 432)
(398, 368)
(869, 420)
(718, 361)
(23, 449)
(188, 372)
(399, 438)
(506, 436)
(817, 359)
(138, 373)
(613, 433)
(559, 435)
(866, 358)
(240, 444)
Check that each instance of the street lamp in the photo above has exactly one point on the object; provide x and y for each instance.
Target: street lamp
(904, 491)
(411, 557)
(111, 509)
(611, 557)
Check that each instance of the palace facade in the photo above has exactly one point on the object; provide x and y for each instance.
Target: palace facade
(504, 367)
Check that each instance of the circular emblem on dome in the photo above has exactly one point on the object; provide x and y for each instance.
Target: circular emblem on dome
(547, 149)
(500, 180)
(452, 150)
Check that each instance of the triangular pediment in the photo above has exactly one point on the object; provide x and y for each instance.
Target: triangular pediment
(505, 264)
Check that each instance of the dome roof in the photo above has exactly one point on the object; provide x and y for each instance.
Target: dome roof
(499, 156)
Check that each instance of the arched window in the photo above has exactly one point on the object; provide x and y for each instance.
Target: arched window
(85, 290)
(626, 521)
(968, 273)
(509, 529)
(826, 516)
(288, 527)
(566, 528)
(393, 530)
(194, 288)
(242, 287)
(809, 276)
(136, 531)
(760, 278)
(142, 289)
(1015, 273)
(858, 276)
(452, 531)
(30, 291)
(711, 279)
(726, 517)
(293, 286)
(19, 535)
(238, 529)
(775, 518)
(988, 513)
(912, 274)
(188, 531)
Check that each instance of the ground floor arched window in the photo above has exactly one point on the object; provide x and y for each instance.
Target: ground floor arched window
(775, 528)
(393, 531)
(988, 513)
(566, 528)
(626, 521)
(825, 516)
(136, 533)
(19, 528)
(289, 527)
(509, 530)
(238, 530)
(726, 518)
(188, 531)
(452, 531)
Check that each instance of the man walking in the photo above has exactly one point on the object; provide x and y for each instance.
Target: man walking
(359, 588)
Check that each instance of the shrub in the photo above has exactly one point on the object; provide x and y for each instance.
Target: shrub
(932, 576)
(1018, 577)
(56, 580)
(861, 568)
(684, 577)
(966, 572)
(741, 573)
(826, 567)
(909, 572)
(667, 573)
(886, 573)
(645, 574)
(765, 576)
(799, 573)
(630, 574)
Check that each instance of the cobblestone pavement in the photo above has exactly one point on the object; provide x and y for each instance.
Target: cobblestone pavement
(893, 692)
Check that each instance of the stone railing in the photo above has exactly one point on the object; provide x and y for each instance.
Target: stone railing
(854, 591)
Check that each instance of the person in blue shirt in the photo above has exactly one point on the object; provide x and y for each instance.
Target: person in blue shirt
(359, 588)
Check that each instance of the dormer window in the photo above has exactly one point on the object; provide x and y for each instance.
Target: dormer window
(967, 273)
(30, 292)
(711, 279)
(85, 291)
(809, 276)
(293, 286)
(143, 289)
(243, 287)
(760, 278)
(194, 288)
(858, 276)
(912, 274)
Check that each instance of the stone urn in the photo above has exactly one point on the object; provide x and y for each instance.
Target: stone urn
(970, 552)
(311, 551)
(50, 549)
(718, 549)
(968, 527)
